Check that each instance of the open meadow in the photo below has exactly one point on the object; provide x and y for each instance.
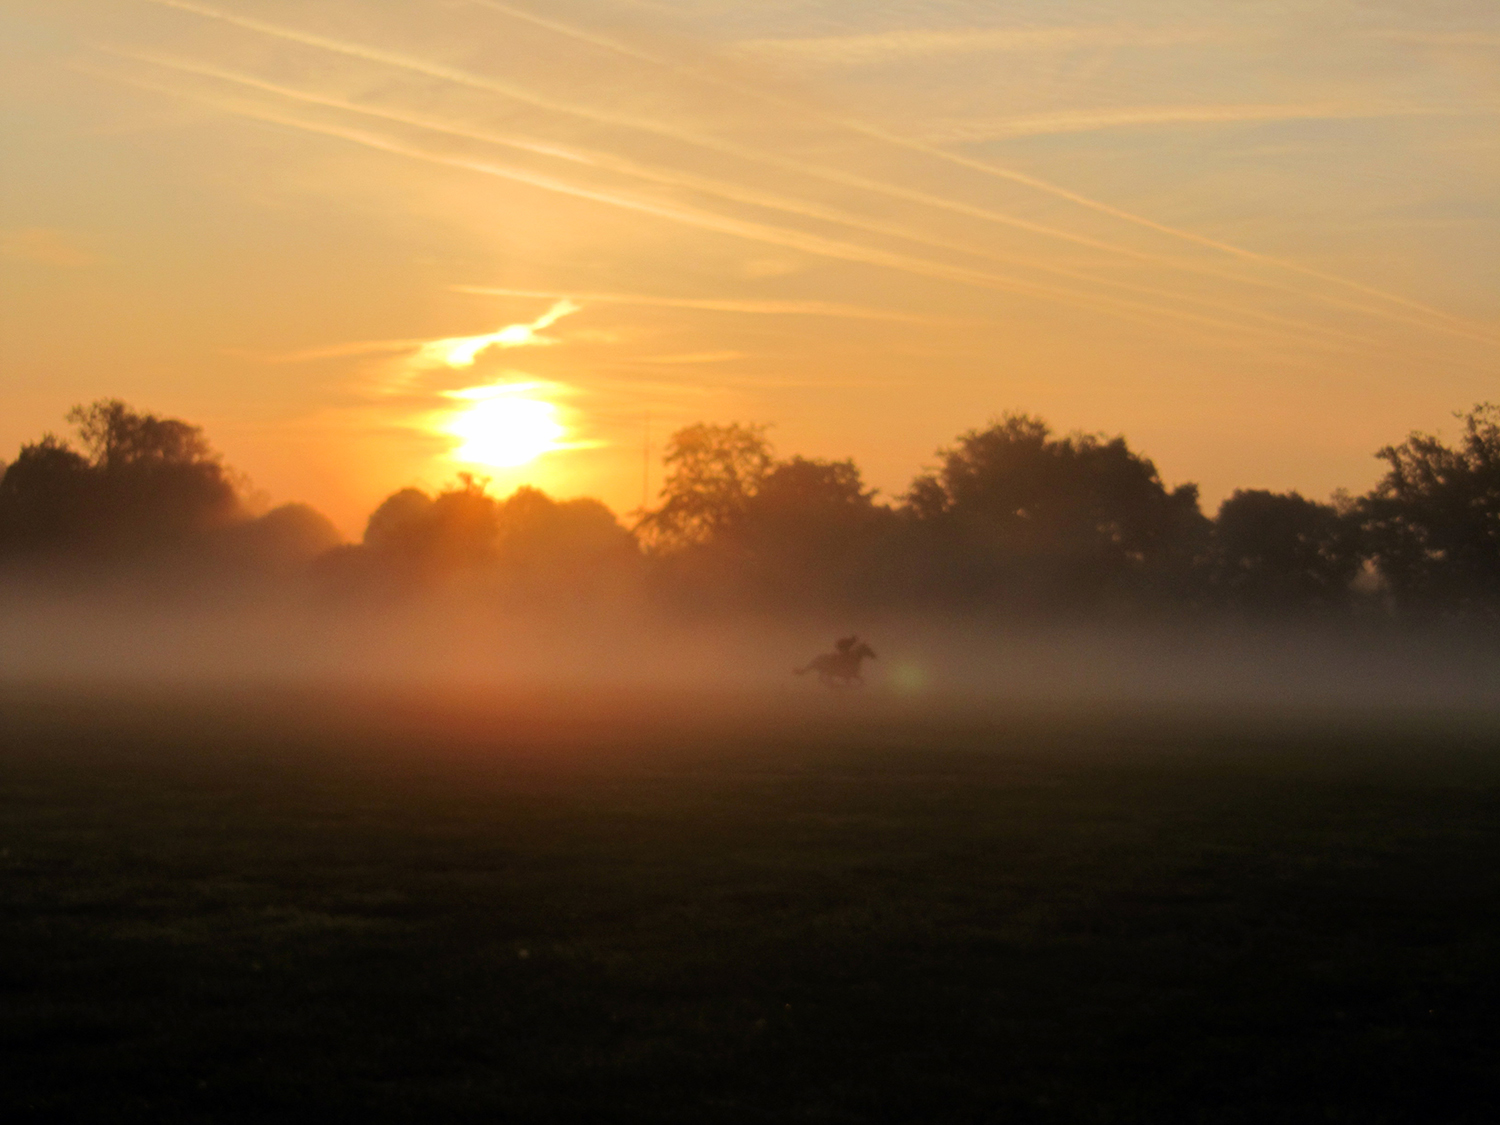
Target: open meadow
(374, 906)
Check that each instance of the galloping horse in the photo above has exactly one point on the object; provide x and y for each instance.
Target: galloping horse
(839, 668)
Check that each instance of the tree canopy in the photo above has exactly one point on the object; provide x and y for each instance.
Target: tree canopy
(1433, 521)
(1011, 517)
(1281, 552)
(712, 472)
(143, 486)
(1020, 512)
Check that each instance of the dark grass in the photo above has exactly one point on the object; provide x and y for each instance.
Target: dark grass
(352, 909)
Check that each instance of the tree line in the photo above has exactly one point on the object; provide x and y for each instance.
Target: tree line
(1013, 518)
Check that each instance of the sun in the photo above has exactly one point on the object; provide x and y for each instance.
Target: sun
(503, 427)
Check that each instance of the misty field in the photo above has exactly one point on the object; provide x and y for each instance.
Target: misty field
(391, 907)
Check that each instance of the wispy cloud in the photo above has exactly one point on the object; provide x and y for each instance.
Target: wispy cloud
(1415, 312)
(794, 208)
(452, 351)
(1093, 120)
(461, 351)
(339, 351)
(753, 308)
(730, 148)
(917, 43)
(654, 174)
(691, 358)
(835, 249)
(1482, 39)
(1426, 316)
(671, 177)
(459, 77)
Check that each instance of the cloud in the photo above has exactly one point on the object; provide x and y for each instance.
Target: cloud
(672, 178)
(1480, 39)
(752, 308)
(952, 41)
(451, 351)
(337, 351)
(462, 351)
(707, 142)
(1094, 120)
(693, 357)
(45, 246)
(916, 44)
(710, 221)
(760, 268)
(1425, 315)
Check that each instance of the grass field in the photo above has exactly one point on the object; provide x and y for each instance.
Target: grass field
(364, 908)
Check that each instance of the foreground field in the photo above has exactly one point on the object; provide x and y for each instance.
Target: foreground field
(352, 909)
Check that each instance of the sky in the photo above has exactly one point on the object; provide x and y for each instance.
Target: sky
(375, 244)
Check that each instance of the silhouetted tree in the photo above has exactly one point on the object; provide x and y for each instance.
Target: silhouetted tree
(1016, 514)
(560, 540)
(46, 499)
(736, 522)
(279, 544)
(149, 488)
(116, 437)
(1433, 521)
(420, 538)
(525, 543)
(415, 542)
(799, 496)
(1282, 552)
(399, 525)
(159, 479)
(811, 531)
(712, 471)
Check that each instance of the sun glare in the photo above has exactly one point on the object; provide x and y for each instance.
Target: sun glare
(503, 426)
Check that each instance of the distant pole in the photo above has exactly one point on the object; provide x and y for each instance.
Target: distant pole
(646, 466)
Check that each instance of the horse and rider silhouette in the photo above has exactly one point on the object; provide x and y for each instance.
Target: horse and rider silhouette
(840, 668)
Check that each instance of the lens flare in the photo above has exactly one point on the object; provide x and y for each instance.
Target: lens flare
(503, 426)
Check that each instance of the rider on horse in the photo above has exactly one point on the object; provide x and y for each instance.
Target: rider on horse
(840, 668)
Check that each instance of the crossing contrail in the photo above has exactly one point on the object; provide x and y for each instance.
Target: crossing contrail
(692, 217)
(874, 132)
(731, 192)
(710, 143)
(708, 304)
(1451, 325)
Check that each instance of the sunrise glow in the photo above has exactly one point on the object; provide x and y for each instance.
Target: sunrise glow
(504, 426)
(873, 225)
(757, 559)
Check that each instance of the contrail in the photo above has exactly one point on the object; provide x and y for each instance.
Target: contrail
(688, 358)
(754, 308)
(509, 336)
(714, 144)
(987, 168)
(643, 125)
(732, 192)
(473, 81)
(775, 236)
(344, 351)
(1087, 121)
(1469, 329)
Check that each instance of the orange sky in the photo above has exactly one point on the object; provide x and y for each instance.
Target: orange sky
(1260, 240)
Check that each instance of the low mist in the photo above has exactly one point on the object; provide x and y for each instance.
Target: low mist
(1026, 571)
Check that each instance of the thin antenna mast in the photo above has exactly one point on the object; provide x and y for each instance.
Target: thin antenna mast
(646, 466)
